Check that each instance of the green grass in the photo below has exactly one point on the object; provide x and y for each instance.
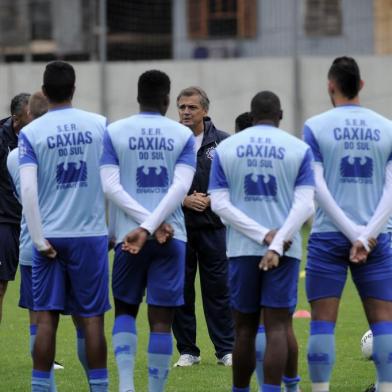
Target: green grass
(351, 373)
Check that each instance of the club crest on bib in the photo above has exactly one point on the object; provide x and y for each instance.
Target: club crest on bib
(152, 177)
(72, 173)
(260, 185)
(356, 167)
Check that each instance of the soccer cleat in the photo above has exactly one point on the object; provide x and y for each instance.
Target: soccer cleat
(370, 388)
(187, 360)
(226, 360)
(58, 366)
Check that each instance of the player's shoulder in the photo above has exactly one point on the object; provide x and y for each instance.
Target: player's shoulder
(318, 120)
(124, 123)
(383, 121)
(295, 143)
(91, 116)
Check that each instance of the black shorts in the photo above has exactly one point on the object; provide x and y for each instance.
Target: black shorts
(9, 250)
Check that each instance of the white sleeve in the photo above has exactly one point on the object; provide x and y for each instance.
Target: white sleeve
(114, 191)
(383, 210)
(112, 221)
(222, 206)
(29, 195)
(301, 210)
(325, 201)
(182, 181)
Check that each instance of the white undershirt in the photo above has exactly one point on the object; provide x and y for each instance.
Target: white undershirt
(301, 210)
(114, 191)
(199, 141)
(350, 229)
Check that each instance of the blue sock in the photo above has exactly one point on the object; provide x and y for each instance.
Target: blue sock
(33, 334)
(382, 354)
(321, 354)
(291, 384)
(235, 389)
(40, 381)
(98, 380)
(160, 350)
(81, 347)
(271, 388)
(260, 350)
(124, 344)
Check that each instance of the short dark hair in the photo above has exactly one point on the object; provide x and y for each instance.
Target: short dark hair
(193, 90)
(59, 81)
(18, 103)
(243, 121)
(345, 72)
(153, 87)
(38, 105)
(265, 105)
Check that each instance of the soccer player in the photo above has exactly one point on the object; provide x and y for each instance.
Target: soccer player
(64, 208)
(261, 185)
(10, 210)
(352, 147)
(147, 167)
(291, 378)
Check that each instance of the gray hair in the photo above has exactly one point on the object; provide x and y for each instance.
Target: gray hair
(18, 103)
(193, 90)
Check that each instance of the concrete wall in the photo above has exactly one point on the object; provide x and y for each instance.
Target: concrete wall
(230, 85)
(275, 26)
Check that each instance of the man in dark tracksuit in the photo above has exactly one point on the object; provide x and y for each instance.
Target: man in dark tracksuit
(10, 209)
(206, 243)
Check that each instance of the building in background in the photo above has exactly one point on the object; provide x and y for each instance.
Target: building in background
(185, 29)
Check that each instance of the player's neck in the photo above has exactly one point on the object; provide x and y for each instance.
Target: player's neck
(151, 109)
(267, 122)
(342, 101)
(59, 105)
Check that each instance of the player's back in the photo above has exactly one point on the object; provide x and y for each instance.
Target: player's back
(66, 145)
(147, 147)
(262, 165)
(354, 145)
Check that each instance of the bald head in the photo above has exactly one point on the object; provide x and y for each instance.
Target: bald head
(38, 105)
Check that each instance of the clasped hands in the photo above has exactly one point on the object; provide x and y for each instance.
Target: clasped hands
(358, 252)
(135, 240)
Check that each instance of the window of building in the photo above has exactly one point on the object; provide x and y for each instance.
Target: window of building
(323, 17)
(222, 18)
(41, 20)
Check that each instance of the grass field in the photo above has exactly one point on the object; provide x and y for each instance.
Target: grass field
(351, 374)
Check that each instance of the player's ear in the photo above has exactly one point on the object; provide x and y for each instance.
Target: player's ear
(280, 114)
(331, 87)
(361, 84)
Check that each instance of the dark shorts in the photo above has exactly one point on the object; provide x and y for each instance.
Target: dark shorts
(328, 264)
(251, 289)
(77, 281)
(9, 250)
(159, 268)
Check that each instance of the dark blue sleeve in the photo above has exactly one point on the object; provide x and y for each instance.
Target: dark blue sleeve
(218, 178)
(109, 155)
(310, 139)
(188, 154)
(305, 174)
(26, 151)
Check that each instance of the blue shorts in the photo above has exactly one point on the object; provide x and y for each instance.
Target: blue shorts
(328, 262)
(26, 289)
(159, 268)
(77, 281)
(251, 289)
